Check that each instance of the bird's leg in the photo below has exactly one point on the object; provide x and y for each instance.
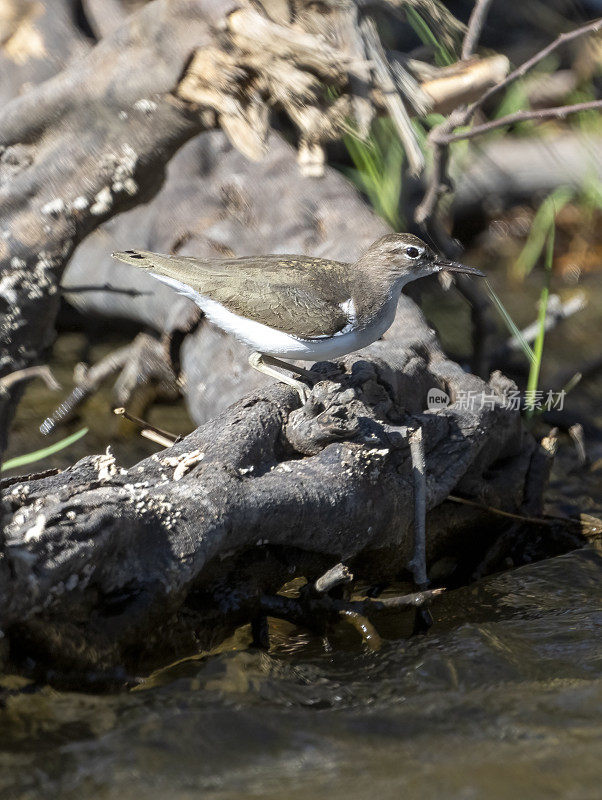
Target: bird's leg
(266, 364)
(302, 373)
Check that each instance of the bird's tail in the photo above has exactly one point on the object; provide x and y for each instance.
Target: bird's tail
(175, 271)
(144, 259)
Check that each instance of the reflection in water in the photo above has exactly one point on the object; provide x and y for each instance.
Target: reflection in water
(504, 693)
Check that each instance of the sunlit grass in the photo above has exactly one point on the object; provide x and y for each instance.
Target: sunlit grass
(443, 56)
(44, 452)
(510, 324)
(378, 169)
(534, 371)
(543, 222)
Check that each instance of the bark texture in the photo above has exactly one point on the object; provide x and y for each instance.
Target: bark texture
(102, 566)
(78, 149)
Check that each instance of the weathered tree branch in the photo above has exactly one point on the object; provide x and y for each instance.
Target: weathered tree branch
(536, 115)
(475, 26)
(114, 133)
(102, 565)
(441, 135)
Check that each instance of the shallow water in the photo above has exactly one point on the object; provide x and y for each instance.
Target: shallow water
(501, 699)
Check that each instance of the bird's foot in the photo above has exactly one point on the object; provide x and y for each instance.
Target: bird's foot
(266, 364)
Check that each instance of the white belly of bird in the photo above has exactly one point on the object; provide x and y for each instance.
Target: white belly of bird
(272, 342)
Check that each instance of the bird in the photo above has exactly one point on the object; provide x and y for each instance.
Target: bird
(300, 307)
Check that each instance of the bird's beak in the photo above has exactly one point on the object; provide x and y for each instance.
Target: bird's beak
(456, 266)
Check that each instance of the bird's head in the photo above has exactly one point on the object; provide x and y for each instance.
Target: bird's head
(402, 257)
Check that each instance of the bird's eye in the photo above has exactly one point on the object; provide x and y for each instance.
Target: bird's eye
(412, 252)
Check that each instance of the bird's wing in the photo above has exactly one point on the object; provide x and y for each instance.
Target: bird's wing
(285, 292)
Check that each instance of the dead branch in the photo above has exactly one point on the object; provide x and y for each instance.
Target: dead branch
(536, 115)
(442, 134)
(337, 575)
(103, 565)
(560, 41)
(41, 371)
(417, 564)
(556, 312)
(450, 87)
(475, 26)
(393, 102)
(116, 135)
(319, 612)
(145, 374)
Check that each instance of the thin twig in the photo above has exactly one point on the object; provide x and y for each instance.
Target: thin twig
(317, 612)
(172, 437)
(333, 577)
(41, 371)
(157, 438)
(500, 513)
(442, 134)
(32, 476)
(549, 519)
(438, 182)
(585, 370)
(88, 382)
(306, 610)
(418, 563)
(538, 115)
(475, 26)
(578, 437)
(555, 313)
(591, 27)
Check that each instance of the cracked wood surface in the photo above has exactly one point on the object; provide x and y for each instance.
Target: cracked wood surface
(103, 565)
(85, 144)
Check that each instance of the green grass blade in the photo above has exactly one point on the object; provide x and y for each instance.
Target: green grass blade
(38, 455)
(378, 163)
(533, 381)
(443, 57)
(510, 324)
(543, 221)
(534, 371)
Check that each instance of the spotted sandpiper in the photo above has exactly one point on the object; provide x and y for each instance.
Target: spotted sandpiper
(300, 307)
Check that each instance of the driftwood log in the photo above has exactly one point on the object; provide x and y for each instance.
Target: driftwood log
(102, 566)
(125, 565)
